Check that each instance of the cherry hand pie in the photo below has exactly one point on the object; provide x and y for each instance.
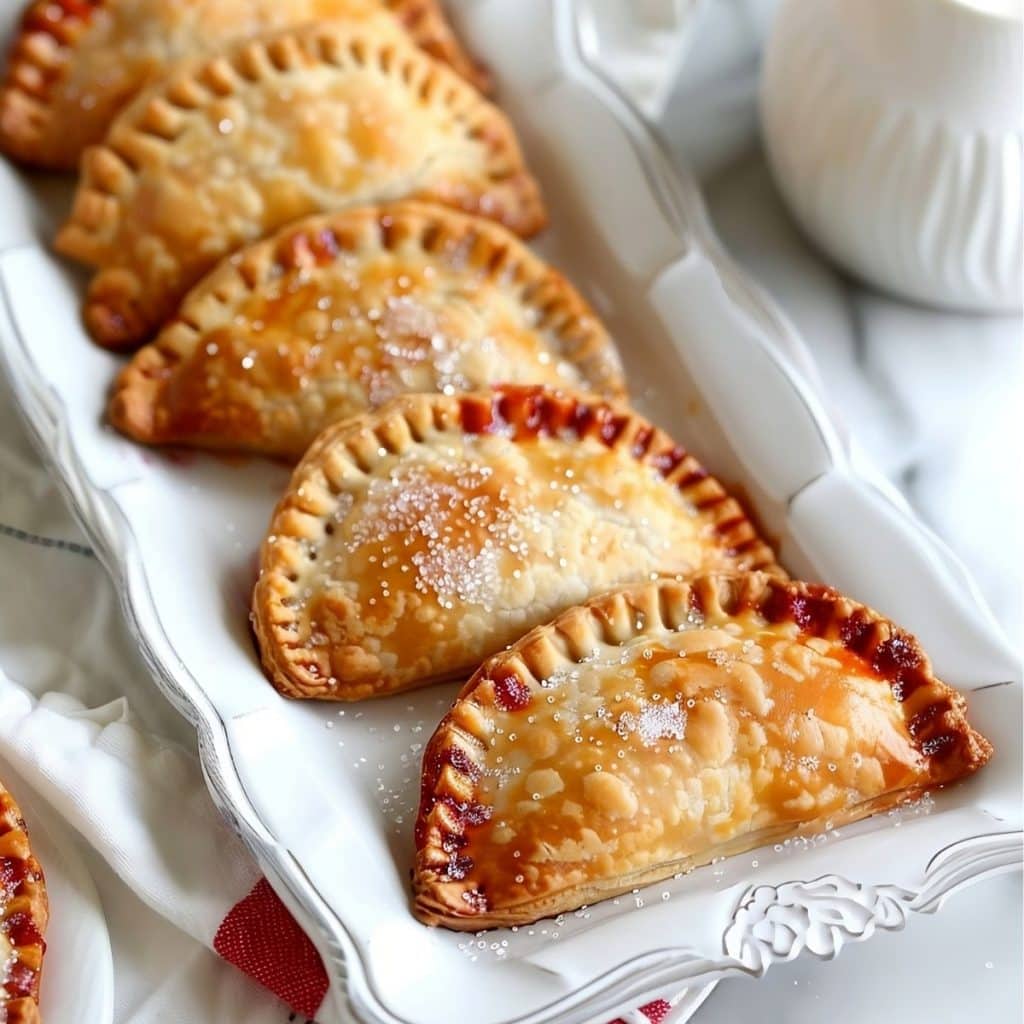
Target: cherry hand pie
(228, 149)
(23, 916)
(76, 63)
(665, 724)
(342, 313)
(416, 540)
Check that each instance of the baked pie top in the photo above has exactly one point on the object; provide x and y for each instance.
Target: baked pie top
(344, 312)
(228, 149)
(23, 916)
(416, 540)
(662, 725)
(76, 63)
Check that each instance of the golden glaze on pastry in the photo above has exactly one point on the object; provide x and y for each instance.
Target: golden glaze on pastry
(416, 540)
(23, 915)
(75, 63)
(661, 725)
(228, 149)
(342, 313)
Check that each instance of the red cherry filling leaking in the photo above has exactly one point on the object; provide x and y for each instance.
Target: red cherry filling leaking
(22, 930)
(939, 746)
(510, 691)
(811, 611)
(925, 717)
(898, 659)
(307, 250)
(896, 654)
(462, 762)
(642, 442)
(59, 11)
(477, 417)
(325, 246)
(856, 633)
(476, 814)
(459, 866)
(611, 427)
(452, 842)
(21, 981)
(13, 871)
(665, 462)
(469, 813)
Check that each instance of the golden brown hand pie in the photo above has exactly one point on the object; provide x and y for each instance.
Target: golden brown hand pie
(228, 149)
(342, 313)
(76, 63)
(662, 725)
(416, 540)
(23, 916)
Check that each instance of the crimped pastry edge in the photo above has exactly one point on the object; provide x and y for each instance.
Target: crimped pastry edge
(45, 45)
(39, 51)
(31, 896)
(354, 447)
(118, 312)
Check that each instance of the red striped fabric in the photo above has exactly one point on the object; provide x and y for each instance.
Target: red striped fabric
(260, 937)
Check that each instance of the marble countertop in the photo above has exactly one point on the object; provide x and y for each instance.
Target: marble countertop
(933, 400)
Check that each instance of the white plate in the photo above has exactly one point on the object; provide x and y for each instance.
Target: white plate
(331, 823)
(78, 972)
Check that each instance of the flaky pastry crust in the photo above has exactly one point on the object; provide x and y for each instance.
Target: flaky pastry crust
(228, 149)
(341, 313)
(662, 725)
(24, 912)
(416, 540)
(75, 63)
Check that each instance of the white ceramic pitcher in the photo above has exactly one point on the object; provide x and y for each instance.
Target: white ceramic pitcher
(895, 131)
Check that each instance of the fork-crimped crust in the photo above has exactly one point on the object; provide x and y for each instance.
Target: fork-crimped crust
(415, 540)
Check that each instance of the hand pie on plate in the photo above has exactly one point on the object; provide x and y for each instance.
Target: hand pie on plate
(416, 540)
(662, 725)
(227, 149)
(75, 63)
(341, 313)
(23, 916)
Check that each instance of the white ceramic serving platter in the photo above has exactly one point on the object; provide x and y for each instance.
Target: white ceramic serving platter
(325, 795)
